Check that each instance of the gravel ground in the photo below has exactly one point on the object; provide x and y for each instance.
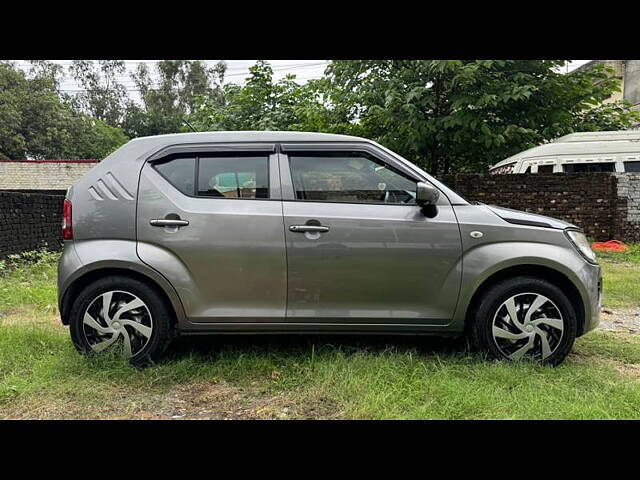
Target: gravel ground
(625, 320)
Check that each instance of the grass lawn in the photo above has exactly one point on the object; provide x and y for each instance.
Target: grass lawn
(42, 376)
(621, 277)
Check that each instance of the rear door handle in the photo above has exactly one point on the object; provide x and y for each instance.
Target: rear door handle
(163, 222)
(308, 228)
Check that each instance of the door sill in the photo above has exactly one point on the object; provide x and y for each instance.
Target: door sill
(191, 328)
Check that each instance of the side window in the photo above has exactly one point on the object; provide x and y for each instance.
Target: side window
(632, 166)
(589, 167)
(545, 169)
(179, 172)
(238, 176)
(355, 177)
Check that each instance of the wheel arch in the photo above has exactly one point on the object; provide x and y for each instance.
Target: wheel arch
(88, 276)
(550, 274)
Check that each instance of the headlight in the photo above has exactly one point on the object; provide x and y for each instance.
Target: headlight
(581, 243)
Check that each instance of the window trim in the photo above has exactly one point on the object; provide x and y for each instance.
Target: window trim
(288, 190)
(195, 148)
(208, 153)
(287, 148)
(280, 185)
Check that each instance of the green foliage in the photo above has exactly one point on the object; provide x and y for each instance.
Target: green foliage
(29, 279)
(466, 115)
(36, 123)
(445, 115)
(93, 138)
(102, 97)
(167, 102)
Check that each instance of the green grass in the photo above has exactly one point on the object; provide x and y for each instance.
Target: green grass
(29, 279)
(621, 276)
(42, 376)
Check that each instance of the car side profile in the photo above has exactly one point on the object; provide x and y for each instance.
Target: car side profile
(292, 232)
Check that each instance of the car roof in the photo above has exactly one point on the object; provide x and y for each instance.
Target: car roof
(251, 136)
(608, 136)
(582, 143)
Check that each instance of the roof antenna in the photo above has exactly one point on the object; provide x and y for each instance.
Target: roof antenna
(189, 125)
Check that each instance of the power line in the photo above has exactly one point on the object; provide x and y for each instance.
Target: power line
(281, 68)
(126, 80)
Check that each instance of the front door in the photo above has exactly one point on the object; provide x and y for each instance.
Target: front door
(211, 223)
(359, 249)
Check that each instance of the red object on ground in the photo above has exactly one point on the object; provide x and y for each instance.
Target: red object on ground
(610, 246)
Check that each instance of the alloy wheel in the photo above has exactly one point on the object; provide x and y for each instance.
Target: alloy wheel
(527, 324)
(118, 317)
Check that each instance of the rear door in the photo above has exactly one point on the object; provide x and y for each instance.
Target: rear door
(210, 220)
(359, 249)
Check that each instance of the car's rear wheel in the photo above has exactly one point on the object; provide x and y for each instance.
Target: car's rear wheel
(124, 314)
(525, 317)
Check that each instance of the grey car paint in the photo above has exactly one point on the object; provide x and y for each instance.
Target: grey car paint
(237, 266)
(371, 266)
(505, 245)
(228, 264)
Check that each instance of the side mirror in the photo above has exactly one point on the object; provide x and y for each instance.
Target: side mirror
(426, 194)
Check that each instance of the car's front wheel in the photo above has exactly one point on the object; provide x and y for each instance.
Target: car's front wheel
(117, 312)
(525, 317)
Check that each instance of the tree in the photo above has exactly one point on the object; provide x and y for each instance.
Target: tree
(35, 123)
(262, 104)
(254, 106)
(466, 115)
(167, 102)
(102, 96)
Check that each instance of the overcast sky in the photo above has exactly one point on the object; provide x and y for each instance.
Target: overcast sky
(237, 71)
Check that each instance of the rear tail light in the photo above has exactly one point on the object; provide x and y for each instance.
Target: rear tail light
(67, 229)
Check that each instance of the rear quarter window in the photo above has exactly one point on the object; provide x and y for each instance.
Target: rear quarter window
(179, 172)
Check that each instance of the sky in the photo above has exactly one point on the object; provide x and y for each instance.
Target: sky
(237, 71)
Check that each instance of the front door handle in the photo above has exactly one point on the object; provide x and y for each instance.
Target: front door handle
(308, 228)
(164, 222)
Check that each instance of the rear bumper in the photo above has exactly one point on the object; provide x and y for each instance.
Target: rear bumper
(68, 265)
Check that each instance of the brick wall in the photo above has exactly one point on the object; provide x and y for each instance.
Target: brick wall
(605, 205)
(628, 208)
(42, 174)
(29, 222)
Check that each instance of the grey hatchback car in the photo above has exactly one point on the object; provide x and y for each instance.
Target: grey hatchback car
(291, 232)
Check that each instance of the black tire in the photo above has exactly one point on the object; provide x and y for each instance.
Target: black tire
(163, 320)
(491, 306)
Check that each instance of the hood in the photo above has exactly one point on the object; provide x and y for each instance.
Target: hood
(523, 218)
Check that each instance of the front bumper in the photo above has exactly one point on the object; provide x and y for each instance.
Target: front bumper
(592, 278)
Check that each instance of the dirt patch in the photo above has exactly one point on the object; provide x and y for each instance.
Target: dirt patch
(194, 401)
(223, 401)
(592, 359)
(30, 316)
(629, 369)
(625, 320)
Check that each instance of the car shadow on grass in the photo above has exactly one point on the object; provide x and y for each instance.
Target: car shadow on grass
(295, 344)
